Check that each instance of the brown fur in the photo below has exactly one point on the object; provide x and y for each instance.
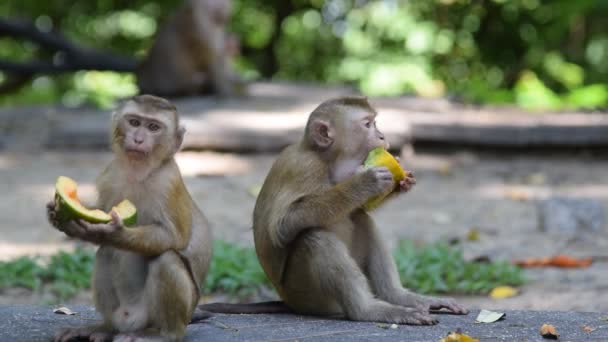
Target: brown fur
(320, 249)
(146, 277)
(192, 53)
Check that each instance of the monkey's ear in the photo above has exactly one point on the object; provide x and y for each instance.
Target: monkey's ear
(179, 137)
(322, 133)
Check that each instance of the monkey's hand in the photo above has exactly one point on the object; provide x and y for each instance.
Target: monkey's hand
(97, 232)
(379, 178)
(406, 184)
(436, 303)
(51, 215)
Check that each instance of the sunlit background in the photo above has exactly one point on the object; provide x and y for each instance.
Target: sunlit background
(537, 54)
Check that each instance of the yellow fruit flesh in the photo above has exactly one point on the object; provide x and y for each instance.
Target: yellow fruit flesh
(69, 205)
(381, 157)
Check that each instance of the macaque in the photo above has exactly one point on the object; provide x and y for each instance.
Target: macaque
(147, 277)
(192, 53)
(320, 249)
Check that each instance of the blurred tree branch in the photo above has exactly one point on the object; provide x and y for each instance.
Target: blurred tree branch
(66, 56)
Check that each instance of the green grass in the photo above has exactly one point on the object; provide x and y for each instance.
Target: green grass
(441, 268)
(235, 270)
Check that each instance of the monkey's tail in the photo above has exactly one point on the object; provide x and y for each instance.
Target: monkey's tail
(270, 307)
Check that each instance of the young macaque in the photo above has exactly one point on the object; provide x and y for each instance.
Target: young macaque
(192, 53)
(320, 249)
(147, 277)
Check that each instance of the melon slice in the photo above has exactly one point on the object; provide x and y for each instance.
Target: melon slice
(68, 206)
(381, 157)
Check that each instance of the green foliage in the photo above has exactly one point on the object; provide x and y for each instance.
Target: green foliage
(234, 270)
(68, 273)
(65, 273)
(538, 54)
(440, 268)
(21, 272)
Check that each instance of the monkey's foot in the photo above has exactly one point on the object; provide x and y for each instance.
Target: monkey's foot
(73, 334)
(101, 337)
(129, 338)
(135, 337)
(410, 316)
(436, 304)
(388, 313)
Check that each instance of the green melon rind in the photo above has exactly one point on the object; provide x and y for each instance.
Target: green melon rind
(64, 211)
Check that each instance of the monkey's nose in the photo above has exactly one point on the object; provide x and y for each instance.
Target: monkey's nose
(138, 141)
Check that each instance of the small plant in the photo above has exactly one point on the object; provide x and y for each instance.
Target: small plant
(21, 272)
(440, 268)
(234, 270)
(68, 273)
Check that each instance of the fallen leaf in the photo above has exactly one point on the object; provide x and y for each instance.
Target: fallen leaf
(563, 261)
(587, 328)
(604, 318)
(254, 190)
(473, 234)
(445, 169)
(458, 336)
(394, 326)
(548, 331)
(501, 292)
(487, 316)
(64, 311)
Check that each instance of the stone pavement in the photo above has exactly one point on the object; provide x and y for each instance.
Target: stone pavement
(274, 115)
(39, 323)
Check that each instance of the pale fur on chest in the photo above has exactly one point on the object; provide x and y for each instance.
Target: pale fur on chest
(148, 195)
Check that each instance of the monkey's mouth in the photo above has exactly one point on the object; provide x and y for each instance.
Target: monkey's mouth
(136, 153)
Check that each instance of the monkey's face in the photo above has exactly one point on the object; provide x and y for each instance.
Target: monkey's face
(361, 134)
(139, 136)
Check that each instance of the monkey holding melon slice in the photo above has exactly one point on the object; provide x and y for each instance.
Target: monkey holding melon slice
(68, 206)
(381, 157)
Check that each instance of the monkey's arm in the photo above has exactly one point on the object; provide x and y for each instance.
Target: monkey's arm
(332, 205)
(149, 240)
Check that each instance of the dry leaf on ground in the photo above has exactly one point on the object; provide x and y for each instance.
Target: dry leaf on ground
(473, 234)
(501, 292)
(63, 311)
(458, 336)
(548, 331)
(587, 328)
(487, 316)
(564, 261)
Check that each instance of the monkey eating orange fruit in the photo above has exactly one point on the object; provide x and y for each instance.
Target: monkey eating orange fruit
(381, 157)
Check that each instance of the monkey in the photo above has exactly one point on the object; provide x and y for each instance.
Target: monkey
(147, 277)
(317, 245)
(192, 54)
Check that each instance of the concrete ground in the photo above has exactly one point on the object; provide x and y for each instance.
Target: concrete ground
(39, 323)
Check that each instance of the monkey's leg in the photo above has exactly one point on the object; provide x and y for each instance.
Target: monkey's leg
(323, 278)
(94, 333)
(169, 298)
(104, 292)
(381, 270)
(106, 302)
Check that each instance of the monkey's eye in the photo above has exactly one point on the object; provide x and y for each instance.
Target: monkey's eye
(134, 122)
(153, 127)
(368, 124)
